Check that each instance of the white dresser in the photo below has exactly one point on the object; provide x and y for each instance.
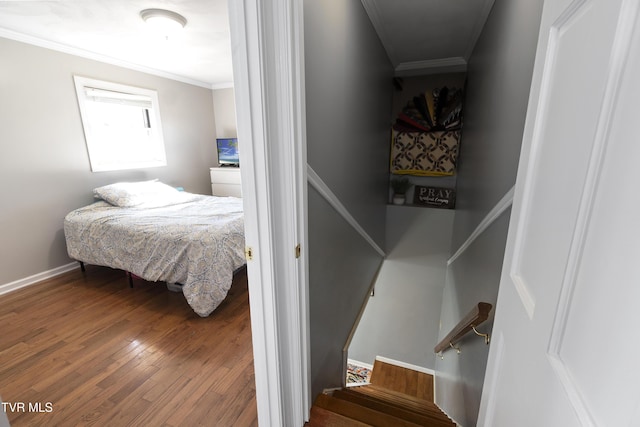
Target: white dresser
(225, 181)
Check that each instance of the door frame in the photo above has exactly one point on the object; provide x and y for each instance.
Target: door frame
(267, 39)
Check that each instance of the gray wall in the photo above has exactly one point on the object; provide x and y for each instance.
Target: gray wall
(472, 278)
(348, 95)
(44, 163)
(342, 265)
(498, 82)
(348, 102)
(401, 320)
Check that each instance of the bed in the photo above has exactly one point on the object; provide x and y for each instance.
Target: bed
(159, 233)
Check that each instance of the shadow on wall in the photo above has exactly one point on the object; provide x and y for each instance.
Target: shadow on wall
(472, 278)
(401, 321)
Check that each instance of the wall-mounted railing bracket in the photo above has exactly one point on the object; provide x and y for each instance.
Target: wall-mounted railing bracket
(487, 338)
(479, 314)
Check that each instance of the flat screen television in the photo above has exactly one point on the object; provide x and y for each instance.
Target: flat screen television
(228, 151)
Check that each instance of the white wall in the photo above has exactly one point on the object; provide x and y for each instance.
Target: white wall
(224, 107)
(44, 163)
(224, 111)
(401, 321)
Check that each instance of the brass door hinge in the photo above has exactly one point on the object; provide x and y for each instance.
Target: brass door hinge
(298, 251)
(248, 253)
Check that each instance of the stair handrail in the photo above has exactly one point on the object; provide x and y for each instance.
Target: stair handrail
(476, 316)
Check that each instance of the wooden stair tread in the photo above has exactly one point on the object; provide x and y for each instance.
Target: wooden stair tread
(396, 397)
(431, 419)
(321, 417)
(400, 400)
(360, 413)
(403, 380)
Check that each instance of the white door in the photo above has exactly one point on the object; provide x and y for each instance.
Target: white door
(566, 349)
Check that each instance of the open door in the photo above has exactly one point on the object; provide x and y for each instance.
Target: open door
(564, 351)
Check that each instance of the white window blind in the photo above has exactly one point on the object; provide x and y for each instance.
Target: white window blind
(121, 124)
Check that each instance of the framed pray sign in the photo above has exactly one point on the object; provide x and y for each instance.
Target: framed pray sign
(435, 197)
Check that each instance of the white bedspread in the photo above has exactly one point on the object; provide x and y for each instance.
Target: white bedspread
(198, 244)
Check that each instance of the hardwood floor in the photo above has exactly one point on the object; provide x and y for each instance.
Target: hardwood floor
(85, 349)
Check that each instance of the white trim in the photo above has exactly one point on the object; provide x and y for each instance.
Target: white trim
(494, 214)
(59, 47)
(406, 365)
(246, 50)
(266, 39)
(345, 349)
(324, 190)
(378, 24)
(224, 85)
(301, 201)
(151, 145)
(283, 69)
(363, 307)
(36, 278)
(431, 66)
(481, 20)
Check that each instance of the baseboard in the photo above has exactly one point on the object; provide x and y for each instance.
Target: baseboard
(359, 363)
(21, 283)
(406, 365)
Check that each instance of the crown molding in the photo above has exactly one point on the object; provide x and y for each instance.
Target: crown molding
(377, 22)
(59, 47)
(224, 85)
(481, 20)
(431, 66)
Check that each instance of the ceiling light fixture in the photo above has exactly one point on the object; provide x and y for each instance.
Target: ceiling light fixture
(164, 21)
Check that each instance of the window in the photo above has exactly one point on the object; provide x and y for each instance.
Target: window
(121, 124)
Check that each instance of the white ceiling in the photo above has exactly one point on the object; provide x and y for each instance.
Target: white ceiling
(427, 36)
(419, 35)
(113, 30)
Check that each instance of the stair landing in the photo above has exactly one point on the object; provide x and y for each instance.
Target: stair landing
(402, 380)
(396, 397)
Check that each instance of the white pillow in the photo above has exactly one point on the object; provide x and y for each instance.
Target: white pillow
(144, 194)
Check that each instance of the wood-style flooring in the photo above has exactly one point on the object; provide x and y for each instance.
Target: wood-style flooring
(85, 349)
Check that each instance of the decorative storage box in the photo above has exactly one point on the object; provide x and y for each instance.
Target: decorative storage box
(432, 153)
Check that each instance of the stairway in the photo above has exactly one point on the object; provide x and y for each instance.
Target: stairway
(396, 397)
